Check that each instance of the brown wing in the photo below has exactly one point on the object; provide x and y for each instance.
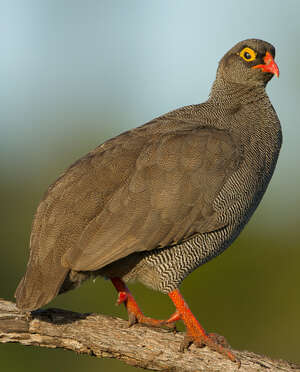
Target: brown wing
(165, 195)
(144, 189)
(69, 204)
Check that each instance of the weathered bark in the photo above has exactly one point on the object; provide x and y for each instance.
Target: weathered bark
(102, 336)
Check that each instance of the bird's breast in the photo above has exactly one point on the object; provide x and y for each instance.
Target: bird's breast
(244, 189)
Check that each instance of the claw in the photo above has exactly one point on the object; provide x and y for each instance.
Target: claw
(186, 343)
(132, 319)
(219, 339)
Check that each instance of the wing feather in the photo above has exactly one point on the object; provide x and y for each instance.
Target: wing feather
(167, 196)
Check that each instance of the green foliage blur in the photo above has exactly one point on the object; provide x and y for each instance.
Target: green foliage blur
(61, 98)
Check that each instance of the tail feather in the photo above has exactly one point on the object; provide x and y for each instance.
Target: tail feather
(36, 288)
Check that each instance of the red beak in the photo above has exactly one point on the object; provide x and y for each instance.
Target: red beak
(269, 66)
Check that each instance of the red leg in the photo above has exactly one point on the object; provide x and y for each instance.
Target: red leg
(135, 314)
(195, 332)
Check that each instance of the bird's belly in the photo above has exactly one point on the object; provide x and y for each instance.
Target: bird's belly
(164, 269)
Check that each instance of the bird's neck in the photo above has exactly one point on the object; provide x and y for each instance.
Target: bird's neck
(231, 95)
(248, 112)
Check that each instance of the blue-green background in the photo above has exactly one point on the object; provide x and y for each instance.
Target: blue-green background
(73, 74)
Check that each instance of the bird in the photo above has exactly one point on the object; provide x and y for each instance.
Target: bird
(156, 202)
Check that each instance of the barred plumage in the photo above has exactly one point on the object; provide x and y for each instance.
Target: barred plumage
(156, 202)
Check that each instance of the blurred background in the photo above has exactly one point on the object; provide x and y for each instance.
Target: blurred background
(75, 73)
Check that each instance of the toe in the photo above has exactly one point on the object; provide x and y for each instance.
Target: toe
(221, 340)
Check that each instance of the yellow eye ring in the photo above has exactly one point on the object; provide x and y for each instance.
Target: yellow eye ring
(248, 54)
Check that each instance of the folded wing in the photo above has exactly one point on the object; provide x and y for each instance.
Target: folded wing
(166, 196)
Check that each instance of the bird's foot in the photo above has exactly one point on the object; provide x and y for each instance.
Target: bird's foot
(219, 339)
(135, 315)
(196, 333)
(213, 341)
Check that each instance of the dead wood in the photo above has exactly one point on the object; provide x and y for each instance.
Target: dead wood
(108, 337)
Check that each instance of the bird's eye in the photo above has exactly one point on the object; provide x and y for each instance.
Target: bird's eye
(248, 54)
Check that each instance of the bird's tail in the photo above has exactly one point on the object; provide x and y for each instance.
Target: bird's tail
(37, 288)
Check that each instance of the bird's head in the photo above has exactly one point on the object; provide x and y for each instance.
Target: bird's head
(250, 62)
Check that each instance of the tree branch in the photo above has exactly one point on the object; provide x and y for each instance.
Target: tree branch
(102, 336)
